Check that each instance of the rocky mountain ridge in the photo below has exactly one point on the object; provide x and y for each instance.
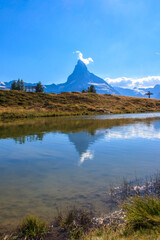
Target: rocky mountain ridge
(79, 80)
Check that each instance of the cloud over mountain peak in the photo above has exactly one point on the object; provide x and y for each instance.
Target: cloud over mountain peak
(85, 60)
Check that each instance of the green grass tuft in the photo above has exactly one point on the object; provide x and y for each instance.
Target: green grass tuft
(76, 223)
(142, 213)
(32, 229)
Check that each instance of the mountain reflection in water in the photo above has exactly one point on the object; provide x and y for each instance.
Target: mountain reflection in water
(52, 163)
(82, 133)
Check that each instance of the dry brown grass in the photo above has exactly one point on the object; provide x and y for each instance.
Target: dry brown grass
(118, 235)
(15, 104)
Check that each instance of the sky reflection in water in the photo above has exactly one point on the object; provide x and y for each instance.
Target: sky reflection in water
(49, 163)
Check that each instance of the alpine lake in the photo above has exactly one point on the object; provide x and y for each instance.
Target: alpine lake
(52, 164)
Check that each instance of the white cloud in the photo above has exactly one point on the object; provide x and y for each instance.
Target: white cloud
(133, 131)
(131, 83)
(85, 60)
(86, 155)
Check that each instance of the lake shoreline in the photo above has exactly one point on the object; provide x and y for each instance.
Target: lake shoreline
(112, 130)
(113, 223)
(21, 105)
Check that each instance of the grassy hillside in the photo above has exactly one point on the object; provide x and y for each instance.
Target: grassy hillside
(15, 104)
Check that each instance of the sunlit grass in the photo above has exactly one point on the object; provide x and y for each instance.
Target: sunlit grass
(16, 104)
(118, 235)
(142, 212)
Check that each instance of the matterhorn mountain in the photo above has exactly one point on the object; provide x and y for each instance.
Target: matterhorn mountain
(80, 80)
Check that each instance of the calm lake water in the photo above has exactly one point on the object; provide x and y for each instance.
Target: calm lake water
(57, 163)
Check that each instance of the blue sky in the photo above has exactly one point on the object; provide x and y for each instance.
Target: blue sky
(38, 38)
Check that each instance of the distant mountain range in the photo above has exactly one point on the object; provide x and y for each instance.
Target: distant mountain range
(131, 92)
(139, 92)
(81, 79)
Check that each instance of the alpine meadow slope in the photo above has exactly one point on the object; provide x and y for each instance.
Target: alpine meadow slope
(19, 104)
